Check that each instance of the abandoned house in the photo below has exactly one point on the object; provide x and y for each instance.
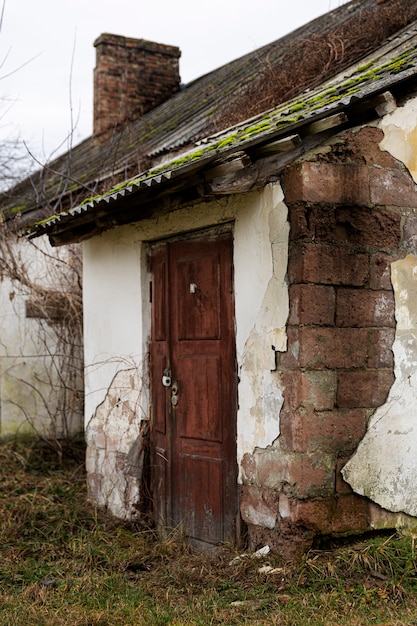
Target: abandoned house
(249, 282)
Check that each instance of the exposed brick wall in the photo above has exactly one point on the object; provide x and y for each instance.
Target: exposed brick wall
(131, 77)
(350, 218)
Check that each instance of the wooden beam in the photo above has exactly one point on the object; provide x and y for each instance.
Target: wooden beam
(385, 103)
(228, 165)
(281, 145)
(333, 121)
(264, 170)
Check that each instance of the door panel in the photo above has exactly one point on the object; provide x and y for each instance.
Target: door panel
(202, 399)
(193, 340)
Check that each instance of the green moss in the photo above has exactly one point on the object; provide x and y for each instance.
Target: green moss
(227, 141)
(364, 67)
(298, 106)
(21, 208)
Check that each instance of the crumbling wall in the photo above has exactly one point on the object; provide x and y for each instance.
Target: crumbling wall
(351, 208)
(117, 447)
(384, 466)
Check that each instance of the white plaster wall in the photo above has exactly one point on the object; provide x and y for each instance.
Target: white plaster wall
(117, 315)
(112, 292)
(28, 379)
(384, 467)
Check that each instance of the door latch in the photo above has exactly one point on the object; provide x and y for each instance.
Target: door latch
(174, 394)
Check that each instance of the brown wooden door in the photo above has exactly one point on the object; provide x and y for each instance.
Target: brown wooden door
(194, 419)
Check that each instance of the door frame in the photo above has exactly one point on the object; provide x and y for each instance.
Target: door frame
(206, 234)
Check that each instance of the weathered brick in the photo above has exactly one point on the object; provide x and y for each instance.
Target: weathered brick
(380, 271)
(148, 71)
(345, 513)
(314, 389)
(327, 265)
(289, 359)
(350, 514)
(363, 147)
(314, 514)
(304, 475)
(291, 544)
(364, 307)
(342, 486)
(248, 465)
(392, 187)
(326, 431)
(259, 506)
(363, 388)
(369, 227)
(319, 348)
(410, 233)
(380, 354)
(326, 182)
(312, 304)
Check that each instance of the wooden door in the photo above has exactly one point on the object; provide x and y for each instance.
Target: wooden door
(193, 373)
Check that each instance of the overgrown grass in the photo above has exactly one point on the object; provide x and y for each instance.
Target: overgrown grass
(63, 563)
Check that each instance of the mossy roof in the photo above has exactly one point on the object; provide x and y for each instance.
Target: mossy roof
(179, 136)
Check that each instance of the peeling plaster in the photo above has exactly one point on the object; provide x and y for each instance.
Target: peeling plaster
(264, 244)
(110, 435)
(400, 135)
(384, 466)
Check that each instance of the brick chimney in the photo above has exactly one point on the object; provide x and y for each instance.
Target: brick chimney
(131, 77)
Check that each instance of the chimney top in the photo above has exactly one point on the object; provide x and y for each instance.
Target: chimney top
(131, 77)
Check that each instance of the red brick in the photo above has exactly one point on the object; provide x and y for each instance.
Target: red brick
(364, 388)
(380, 270)
(345, 513)
(248, 465)
(304, 475)
(350, 514)
(312, 304)
(149, 73)
(326, 182)
(363, 146)
(318, 348)
(314, 514)
(410, 232)
(392, 187)
(342, 487)
(327, 431)
(364, 307)
(380, 354)
(289, 359)
(259, 506)
(291, 545)
(369, 227)
(327, 265)
(314, 389)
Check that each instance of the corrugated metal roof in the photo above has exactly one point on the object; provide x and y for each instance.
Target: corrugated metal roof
(182, 135)
(395, 62)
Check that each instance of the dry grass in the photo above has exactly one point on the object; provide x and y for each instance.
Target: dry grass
(308, 61)
(64, 563)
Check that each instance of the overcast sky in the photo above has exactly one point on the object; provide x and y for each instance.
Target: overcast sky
(47, 54)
